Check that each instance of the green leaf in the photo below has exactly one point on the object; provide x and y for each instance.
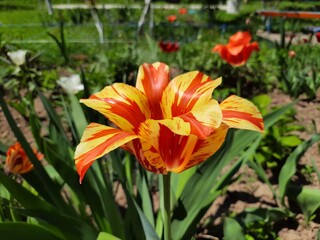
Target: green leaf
(308, 199)
(36, 207)
(54, 118)
(3, 148)
(290, 141)
(289, 168)
(106, 236)
(99, 194)
(142, 229)
(232, 230)
(4, 193)
(262, 214)
(26, 231)
(78, 117)
(146, 200)
(147, 227)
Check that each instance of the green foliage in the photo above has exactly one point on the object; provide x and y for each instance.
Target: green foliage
(254, 223)
(279, 140)
(300, 75)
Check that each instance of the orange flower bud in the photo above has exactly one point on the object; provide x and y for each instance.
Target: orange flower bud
(291, 54)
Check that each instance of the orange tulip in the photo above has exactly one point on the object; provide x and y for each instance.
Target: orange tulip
(238, 50)
(169, 126)
(172, 18)
(183, 11)
(17, 160)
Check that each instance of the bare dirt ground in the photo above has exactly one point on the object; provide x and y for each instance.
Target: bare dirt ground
(246, 192)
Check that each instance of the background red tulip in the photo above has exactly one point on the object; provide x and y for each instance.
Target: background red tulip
(238, 50)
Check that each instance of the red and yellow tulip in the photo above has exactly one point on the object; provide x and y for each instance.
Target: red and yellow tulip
(17, 160)
(238, 50)
(169, 126)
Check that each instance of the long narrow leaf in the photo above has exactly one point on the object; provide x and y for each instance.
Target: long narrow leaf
(54, 118)
(35, 206)
(289, 168)
(144, 192)
(26, 231)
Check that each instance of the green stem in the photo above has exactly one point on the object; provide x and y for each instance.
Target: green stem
(167, 208)
(239, 87)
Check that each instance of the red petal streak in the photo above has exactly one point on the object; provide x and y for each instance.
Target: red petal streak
(131, 112)
(185, 101)
(152, 80)
(207, 147)
(230, 114)
(86, 159)
(197, 128)
(174, 149)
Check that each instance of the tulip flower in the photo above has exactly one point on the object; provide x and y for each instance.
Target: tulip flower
(238, 50)
(318, 36)
(183, 11)
(72, 84)
(169, 126)
(172, 18)
(169, 47)
(17, 160)
(17, 57)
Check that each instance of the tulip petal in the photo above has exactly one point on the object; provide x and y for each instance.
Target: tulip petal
(240, 113)
(218, 48)
(164, 149)
(235, 49)
(242, 38)
(207, 147)
(98, 140)
(152, 79)
(189, 97)
(200, 121)
(122, 104)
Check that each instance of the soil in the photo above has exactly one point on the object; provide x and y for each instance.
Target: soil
(247, 191)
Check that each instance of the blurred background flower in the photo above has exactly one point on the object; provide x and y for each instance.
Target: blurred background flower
(238, 50)
(17, 160)
(71, 84)
(171, 18)
(169, 47)
(18, 57)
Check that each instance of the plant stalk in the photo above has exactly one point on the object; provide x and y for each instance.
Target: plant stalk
(167, 207)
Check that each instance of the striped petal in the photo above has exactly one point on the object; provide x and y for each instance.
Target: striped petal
(189, 97)
(98, 140)
(164, 149)
(122, 104)
(152, 79)
(207, 147)
(240, 113)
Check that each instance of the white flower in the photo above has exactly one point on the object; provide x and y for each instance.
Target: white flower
(17, 57)
(72, 84)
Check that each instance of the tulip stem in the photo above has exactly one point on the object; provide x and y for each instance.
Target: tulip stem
(167, 207)
(239, 87)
